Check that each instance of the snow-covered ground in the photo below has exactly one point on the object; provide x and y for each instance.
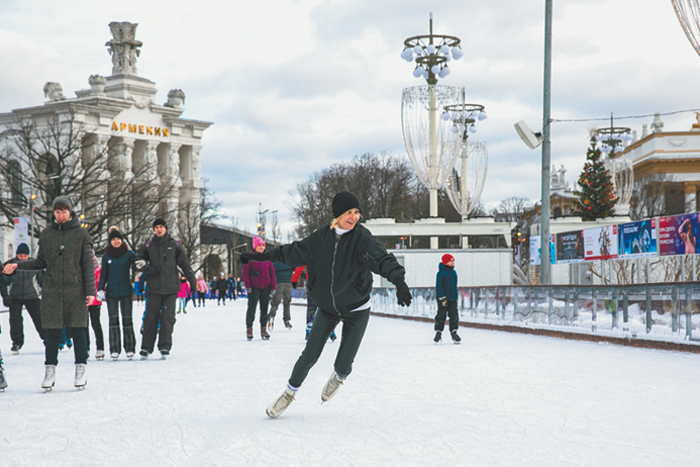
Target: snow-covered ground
(499, 399)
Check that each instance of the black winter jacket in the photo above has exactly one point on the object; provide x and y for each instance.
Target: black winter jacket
(164, 255)
(340, 268)
(25, 286)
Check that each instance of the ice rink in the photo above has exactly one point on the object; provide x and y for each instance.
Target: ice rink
(499, 399)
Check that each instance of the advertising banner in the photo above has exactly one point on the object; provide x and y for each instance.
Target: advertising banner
(637, 239)
(536, 252)
(678, 235)
(570, 247)
(21, 231)
(600, 243)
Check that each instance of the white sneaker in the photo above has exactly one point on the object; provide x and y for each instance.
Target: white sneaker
(49, 377)
(331, 387)
(80, 376)
(100, 354)
(114, 355)
(275, 409)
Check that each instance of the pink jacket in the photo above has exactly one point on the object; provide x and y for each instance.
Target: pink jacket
(202, 286)
(259, 275)
(184, 290)
(95, 301)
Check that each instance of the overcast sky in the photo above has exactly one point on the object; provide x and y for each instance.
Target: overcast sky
(295, 86)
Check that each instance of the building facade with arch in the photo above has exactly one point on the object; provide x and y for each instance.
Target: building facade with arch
(140, 144)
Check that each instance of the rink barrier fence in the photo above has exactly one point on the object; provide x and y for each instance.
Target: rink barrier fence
(660, 316)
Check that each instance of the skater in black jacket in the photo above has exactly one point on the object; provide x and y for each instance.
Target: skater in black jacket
(446, 294)
(340, 259)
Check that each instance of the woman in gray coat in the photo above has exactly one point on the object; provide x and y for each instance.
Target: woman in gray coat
(65, 251)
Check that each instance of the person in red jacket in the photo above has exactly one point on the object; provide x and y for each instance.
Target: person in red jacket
(94, 308)
(259, 279)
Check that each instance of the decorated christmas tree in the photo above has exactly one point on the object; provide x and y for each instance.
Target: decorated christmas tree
(595, 197)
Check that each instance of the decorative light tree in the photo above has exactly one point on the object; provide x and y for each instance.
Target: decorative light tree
(428, 140)
(612, 141)
(688, 13)
(464, 186)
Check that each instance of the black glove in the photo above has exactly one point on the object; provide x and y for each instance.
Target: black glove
(294, 285)
(6, 301)
(403, 295)
(259, 257)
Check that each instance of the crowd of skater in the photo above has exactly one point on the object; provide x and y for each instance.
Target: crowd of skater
(65, 286)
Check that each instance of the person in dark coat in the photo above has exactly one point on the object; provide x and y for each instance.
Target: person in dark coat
(221, 288)
(231, 287)
(283, 293)
(161, 257)
(446, 294)
(24, 292)
(65, 251)
(115, 284)
(340, 259)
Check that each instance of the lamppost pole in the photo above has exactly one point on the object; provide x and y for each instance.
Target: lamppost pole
(545, 277)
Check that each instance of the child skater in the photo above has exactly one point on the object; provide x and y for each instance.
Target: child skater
(446, 293)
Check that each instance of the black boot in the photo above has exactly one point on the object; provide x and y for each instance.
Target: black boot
(455, 337)
(438, 337)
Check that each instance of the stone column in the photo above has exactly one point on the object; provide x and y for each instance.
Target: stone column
(173, 183)
(691, 190)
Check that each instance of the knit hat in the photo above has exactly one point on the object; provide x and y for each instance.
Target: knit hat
(62, 201)
(160, 221)
(114, 233)
(343, 202)
(22, 249)
(258, 241)
(446, 258)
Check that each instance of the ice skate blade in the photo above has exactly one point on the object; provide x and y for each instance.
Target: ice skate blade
(81, 388)
(456, 343)
(15, 352)
(47, 389)
(99, 359)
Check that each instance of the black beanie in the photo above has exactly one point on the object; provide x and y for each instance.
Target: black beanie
(22, 249)
(160, 221)
(343, 202)
(115, 233)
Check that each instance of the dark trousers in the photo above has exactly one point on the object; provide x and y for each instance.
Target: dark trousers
(33, 307)
(94, 312)
(222, 296)
(159, 307)
(257, 295)
(79, 345)
(311, 309)
(283, 294)
(201, 296)
(354, 325)
(449, 310)
(115, 342)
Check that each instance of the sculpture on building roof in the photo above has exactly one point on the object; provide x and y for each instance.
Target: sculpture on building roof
(53, 91)
(175, 98)
(124, 47)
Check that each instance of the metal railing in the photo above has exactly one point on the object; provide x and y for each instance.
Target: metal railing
(666, 311)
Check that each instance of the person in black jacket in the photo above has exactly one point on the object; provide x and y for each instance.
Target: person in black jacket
(340, 259)
(222, 288)
(115, 285)
(161, 257)
(24, 291)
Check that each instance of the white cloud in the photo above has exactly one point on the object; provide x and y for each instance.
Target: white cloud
(295, 86)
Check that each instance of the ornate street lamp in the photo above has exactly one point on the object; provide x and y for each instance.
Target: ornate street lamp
(612, 141)
(428, 140)
(464, 186)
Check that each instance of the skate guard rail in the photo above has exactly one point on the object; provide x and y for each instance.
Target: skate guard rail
(646, 315)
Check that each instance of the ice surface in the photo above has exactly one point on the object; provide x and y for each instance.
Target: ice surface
(499, 399)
